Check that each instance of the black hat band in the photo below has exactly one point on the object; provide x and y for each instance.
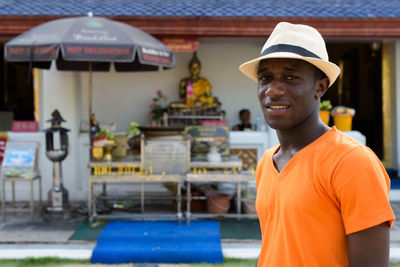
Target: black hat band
(290, 49)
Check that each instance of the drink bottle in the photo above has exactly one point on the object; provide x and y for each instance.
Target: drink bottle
(189, 94)
(94, 125)
(258, 122)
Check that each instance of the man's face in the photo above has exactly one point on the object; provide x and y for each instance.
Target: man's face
(287, 92)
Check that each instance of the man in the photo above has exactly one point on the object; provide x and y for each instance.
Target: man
(322, 197)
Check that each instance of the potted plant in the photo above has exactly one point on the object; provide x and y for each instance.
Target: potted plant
(103, 137)
(103, 144)
(324, 111)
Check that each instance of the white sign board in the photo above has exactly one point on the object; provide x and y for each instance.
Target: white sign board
(20, 156)
(168, 156)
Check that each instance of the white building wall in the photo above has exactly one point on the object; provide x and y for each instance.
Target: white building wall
(61, 91)
(125, 97)
(57, 90)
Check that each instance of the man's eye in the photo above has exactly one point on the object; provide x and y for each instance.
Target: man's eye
(290, 77)
(265, 78)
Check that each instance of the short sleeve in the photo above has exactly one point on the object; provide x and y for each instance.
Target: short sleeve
(361, 186)
(259, 169)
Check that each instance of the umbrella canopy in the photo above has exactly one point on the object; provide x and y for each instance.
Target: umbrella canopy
(89, 43)
(89, 39)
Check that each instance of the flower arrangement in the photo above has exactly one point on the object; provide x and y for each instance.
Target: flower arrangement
(158, 107)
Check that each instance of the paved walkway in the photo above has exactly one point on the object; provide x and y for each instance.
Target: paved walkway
(395, 231)
(239, 250)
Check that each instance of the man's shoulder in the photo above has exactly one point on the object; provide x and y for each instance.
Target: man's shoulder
(339, 146)
(339, 138)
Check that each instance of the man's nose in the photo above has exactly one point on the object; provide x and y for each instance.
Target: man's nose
(275, 90)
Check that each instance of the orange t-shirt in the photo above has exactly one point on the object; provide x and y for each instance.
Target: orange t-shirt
(331, 188)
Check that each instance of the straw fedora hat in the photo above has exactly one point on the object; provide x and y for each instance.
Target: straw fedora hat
(298, 42)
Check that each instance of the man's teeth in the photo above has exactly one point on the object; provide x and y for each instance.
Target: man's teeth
(278, 107)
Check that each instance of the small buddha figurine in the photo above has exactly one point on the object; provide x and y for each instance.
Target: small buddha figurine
(195, 88)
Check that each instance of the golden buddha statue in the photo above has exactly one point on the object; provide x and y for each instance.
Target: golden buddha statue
(195, 88)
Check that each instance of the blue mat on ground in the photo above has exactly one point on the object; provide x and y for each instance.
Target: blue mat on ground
(395, 183)
(159, 242)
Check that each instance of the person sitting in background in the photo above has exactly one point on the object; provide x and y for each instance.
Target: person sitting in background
(244, 116)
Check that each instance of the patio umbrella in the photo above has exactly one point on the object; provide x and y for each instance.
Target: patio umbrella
(89, 44)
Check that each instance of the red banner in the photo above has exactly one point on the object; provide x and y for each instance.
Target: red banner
(181, 44)
(24, 126)
(3, 143)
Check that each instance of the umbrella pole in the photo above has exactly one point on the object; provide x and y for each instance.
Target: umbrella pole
(90, 89)
(90, 108)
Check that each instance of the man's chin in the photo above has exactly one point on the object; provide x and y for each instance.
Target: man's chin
(277, 125)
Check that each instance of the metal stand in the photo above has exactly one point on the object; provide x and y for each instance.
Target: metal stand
(217, 177)
(115, 178)
(13, 208)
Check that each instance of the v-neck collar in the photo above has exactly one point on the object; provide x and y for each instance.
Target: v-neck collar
(299, 153)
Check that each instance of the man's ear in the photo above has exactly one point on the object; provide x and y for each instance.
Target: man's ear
(321, 86)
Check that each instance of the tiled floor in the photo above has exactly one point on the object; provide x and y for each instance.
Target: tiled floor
(19, 229)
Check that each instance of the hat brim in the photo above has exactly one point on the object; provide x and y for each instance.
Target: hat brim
(250, 68)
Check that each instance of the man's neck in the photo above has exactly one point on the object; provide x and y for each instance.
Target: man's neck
(294, 140)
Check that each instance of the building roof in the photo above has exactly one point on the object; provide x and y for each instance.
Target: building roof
(336, 19)
(205, 8)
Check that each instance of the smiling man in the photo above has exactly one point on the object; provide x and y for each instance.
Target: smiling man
(322, 197)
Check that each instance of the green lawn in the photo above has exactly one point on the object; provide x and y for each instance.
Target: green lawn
(47, 262)
(231, 263)
(39, 262)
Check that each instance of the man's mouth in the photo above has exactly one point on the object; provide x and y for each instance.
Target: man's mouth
(278, 107)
